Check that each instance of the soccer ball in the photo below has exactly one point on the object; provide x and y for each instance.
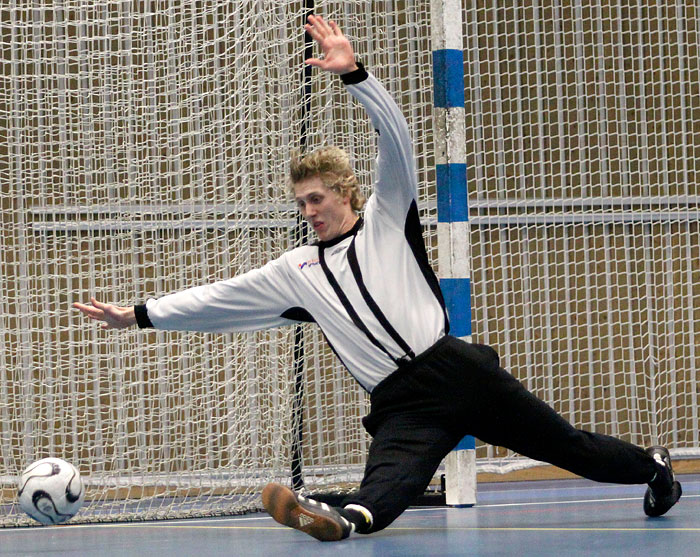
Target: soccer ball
(51, 491)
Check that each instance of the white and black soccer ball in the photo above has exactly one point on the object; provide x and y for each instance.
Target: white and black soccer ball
(51, 491)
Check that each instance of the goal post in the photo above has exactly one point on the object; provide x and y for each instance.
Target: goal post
(453, 212)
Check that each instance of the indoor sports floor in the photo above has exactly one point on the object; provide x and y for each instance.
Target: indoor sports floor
(563, 517)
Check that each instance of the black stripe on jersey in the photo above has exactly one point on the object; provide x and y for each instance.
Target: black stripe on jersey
(413, 231)
(372, 305)
(347, 305)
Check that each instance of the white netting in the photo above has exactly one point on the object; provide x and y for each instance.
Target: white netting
(583, 122)
(146, 146)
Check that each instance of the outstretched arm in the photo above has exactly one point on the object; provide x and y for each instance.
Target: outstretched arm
(338, 56)
(113, 317)
(259, 299)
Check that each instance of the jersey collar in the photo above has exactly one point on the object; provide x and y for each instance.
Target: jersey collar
(354, 230)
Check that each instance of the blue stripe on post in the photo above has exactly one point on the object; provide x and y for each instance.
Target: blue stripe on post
(465, 444)
(448, 78)
(452, 201)
(448, 92)
(457, 294)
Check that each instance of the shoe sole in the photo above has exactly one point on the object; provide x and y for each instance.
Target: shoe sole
(282, 505)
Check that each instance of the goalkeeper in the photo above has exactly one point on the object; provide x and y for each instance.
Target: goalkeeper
(368, 285)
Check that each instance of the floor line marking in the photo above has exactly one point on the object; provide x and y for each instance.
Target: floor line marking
(544, 529)
(403, 528)
(540, 503)
(198, 523)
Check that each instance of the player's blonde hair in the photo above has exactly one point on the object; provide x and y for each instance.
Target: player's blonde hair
(332, 165)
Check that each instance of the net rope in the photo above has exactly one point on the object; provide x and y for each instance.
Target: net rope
(582, 124)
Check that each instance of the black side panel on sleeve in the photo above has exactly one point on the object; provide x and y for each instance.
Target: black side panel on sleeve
(413, 231)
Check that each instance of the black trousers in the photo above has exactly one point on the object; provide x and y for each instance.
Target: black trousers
(420, 412)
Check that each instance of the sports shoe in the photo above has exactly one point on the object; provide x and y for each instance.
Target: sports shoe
(306, 515)
(663, 491)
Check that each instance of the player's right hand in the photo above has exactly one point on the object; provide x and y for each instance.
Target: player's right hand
(113, 317)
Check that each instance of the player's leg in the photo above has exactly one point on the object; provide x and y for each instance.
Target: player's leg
(404, 454)
(522, 422)
(410, 432)
(403, 457)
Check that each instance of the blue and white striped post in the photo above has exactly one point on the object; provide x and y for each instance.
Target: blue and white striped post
(453, 212)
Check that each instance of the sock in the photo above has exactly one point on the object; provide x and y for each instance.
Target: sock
(359, 516)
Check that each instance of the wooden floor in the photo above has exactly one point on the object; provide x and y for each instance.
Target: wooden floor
(562, 517)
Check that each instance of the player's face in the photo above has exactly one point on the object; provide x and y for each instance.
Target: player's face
(328, 213)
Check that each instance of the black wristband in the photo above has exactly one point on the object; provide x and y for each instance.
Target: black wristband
(356, 76)
(142, 319)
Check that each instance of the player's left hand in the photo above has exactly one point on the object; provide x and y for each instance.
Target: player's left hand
(338, 56)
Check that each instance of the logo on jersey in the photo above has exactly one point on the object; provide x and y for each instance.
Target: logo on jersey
(309, 263)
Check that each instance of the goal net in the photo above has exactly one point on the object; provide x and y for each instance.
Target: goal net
(146, 145)
(583, 127)
(144, 150)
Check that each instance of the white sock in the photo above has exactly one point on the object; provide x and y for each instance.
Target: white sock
(359, 508)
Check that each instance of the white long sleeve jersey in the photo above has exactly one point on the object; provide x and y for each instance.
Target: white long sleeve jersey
(371, 290)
